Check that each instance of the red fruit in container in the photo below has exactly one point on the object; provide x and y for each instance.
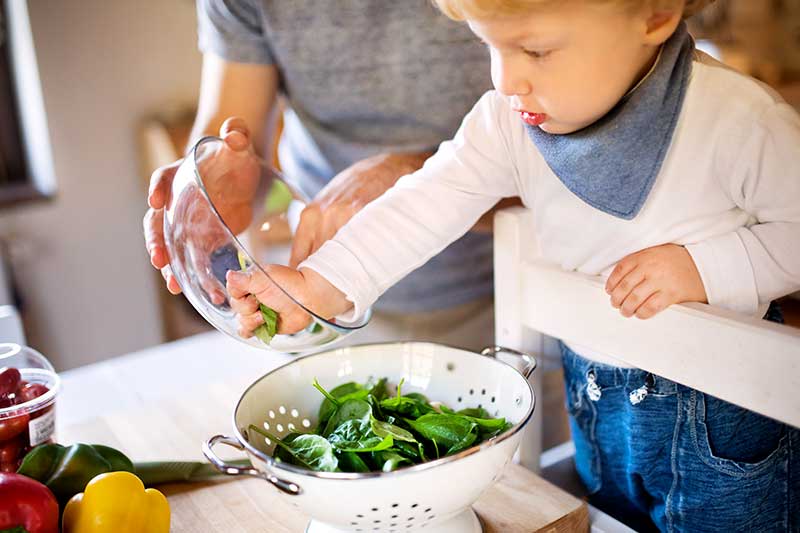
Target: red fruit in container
(9, 380)
(28, 385)
(11, 451)
(10, 467)
(40, 412)
(12, 426)
(30, 391)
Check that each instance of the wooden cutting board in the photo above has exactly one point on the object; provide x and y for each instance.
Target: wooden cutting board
(520, 502)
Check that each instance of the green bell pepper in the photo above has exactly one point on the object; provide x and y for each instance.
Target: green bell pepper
(66, 470)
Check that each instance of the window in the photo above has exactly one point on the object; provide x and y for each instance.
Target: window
(25, 172)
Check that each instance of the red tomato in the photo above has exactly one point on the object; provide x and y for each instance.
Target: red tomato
(30, 391)
(26, 502)
(9, 380)
(11, 450)
(12, 426)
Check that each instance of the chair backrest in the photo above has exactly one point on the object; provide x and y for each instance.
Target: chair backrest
(11, 325)
(746, 361)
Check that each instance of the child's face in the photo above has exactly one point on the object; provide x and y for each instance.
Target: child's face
(564, 67)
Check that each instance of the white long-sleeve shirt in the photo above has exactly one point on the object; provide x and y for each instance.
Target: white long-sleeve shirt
(728, 190)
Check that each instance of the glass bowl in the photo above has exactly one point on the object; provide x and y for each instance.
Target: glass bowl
(230, 210)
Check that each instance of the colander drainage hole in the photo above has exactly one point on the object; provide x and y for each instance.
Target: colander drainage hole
(395, 504)
(483, 392)
(459, 399)
(359, 516)
(492, 399)
(471, 392)
(414, 505)
(374, 509)
(394, 516)
(428, 510)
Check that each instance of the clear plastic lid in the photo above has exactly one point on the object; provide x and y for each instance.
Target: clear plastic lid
(230, 210)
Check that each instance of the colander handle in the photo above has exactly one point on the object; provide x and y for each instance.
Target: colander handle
(286, 486)
(530, 361)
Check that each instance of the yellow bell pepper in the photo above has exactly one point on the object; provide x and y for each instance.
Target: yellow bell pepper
(116, 502)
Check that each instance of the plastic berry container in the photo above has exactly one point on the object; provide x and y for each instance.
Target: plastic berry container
(28, 389)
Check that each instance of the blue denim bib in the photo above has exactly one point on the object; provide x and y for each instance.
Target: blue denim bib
(613, 163)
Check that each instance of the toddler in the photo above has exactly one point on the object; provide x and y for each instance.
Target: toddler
(646, 162)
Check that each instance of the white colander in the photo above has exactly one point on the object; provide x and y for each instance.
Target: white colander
(435, 495)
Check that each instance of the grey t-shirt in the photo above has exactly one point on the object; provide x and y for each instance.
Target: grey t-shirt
(363, 77)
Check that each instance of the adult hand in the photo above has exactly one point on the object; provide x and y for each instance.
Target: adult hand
(346, 194)
(647, 282)
(231, 192)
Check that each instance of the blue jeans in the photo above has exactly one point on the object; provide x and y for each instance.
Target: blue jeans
(661, 456)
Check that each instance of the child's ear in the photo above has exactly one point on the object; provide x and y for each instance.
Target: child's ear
(661, 23)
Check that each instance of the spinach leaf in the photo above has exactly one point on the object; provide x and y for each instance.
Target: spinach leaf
(465, 442)
(476, 412)
(412, 405)
(416, 453)
(356, 435)
(382, 429)
(390, 460)
(378, 390)
(406, 406)
(371, 444)
(489, 425)
(352, 462)
(267, 330)
(281, 454)
(446, 430)
(311, 451)
(446, 410)
(333, 398)
(316, 452)
(418, 396)
(353, 409)
(328, 396)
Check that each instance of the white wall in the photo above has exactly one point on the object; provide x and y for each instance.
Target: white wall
(83, 272)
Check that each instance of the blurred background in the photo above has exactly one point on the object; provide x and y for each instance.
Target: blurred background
(95, 95)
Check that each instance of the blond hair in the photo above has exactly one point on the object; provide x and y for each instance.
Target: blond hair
(464, 9)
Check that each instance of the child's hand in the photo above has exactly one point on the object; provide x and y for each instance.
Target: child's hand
(247, 289)
(649, 281)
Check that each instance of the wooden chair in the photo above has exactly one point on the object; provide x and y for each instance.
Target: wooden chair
(746, 361)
